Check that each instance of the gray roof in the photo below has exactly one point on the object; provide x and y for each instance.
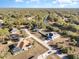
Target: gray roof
(16, 49)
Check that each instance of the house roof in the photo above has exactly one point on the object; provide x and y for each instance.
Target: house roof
(15, 31)
(14, 36)
(16, 49)
(1, 21)
(22, 44)
(29, 17)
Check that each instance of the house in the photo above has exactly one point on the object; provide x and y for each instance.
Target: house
(29, 17)
(22, 45)
(14, 37)
(15, 31)
(66, 19)
(1, 21)
(49, 35)
(22, 26)
(14, 49)
(52, 35)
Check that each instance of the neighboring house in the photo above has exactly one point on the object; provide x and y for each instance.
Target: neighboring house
(1, 21)
(15, 31)
(14, 37)
(49, 36)
(29, 17)
(66, 19)
(52, 35)
(14, 49)
(22, 26)
(22, 45)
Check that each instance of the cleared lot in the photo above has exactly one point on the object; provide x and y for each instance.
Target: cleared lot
(36, 50)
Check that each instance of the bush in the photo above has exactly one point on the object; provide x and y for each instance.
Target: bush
(73, 56)
(64, 50)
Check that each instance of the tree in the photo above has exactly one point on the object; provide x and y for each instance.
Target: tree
(19, 21)
(74, 41)
(8, 22)
(73, 56)
(3, 33)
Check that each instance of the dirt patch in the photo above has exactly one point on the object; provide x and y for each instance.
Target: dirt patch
(53, 56)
